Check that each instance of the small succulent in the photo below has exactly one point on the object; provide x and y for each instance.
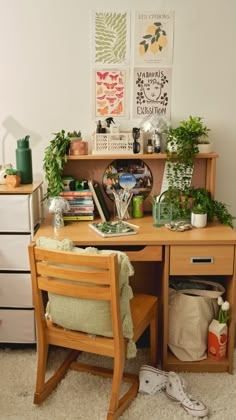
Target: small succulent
(12, 172)
(74, 134)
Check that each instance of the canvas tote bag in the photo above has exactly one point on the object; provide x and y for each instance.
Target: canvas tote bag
(190, 314)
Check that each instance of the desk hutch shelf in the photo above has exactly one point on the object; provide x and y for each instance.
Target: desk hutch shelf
(93, 166)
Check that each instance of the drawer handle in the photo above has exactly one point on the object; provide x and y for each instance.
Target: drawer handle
(202, 260)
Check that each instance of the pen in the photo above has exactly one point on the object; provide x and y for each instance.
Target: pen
(132, 225)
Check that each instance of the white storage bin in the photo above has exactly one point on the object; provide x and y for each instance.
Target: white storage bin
(115, 144)
(15, 214)
(17, 326)
(15, 290)
(14, 252)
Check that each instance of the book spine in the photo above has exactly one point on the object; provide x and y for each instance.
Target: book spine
(83, 193)
(78, 213)
(86, 202)
(88, 209)
(78, 217)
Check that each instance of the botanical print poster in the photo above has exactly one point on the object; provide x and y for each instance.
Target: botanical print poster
(151, 91)
(110, 38)
(110, 92)
(153, 41)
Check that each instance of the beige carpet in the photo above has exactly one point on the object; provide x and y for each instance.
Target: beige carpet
(85, 397)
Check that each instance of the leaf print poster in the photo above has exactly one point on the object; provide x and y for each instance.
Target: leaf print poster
(110, 38)
(153, 38)
(152, 89)
(110, 88)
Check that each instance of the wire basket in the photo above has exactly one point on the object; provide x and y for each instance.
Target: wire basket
(164, 212)
(115, 144)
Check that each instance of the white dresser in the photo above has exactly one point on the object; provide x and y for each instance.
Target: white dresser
(20, 214)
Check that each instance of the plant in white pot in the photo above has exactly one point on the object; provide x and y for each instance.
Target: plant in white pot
(202, 202)
(199, 215)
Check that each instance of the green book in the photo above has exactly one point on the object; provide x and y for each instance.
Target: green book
(99, 201)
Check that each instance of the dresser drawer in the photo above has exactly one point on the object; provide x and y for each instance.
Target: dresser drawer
(201, 260)
(15, 213)
(14, 252)
(15, 290)
(17, 326)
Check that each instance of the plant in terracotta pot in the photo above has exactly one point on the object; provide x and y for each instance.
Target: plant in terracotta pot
(13, 178)
(77, 145)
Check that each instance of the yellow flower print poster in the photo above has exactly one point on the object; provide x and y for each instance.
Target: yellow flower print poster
(153, 42)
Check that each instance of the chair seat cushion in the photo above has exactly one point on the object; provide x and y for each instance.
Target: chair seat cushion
(78, 314)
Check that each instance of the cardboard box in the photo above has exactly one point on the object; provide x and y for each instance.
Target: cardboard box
(217, 340)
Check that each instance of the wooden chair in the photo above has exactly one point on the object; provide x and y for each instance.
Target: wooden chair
(102, 274)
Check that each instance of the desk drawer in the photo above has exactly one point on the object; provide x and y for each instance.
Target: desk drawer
(201, 260)
(17, 326)
(148, 253)
(15, 290)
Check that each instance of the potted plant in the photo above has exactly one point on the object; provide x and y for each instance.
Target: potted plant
(186, 138)
(13, 178)
(55, 156)
(77, 145)
(205, 146)
(203, 203)
(199, 215)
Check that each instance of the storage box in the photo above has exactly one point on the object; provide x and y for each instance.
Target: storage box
(217, 340)
(115, 144)
(78, 147)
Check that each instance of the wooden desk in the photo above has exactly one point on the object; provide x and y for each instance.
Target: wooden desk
(171, 253)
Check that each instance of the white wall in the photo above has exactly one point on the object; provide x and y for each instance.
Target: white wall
(45, 73)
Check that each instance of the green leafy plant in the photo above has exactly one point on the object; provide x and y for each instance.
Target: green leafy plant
(222, 213)
(55, 156)
(203, 203)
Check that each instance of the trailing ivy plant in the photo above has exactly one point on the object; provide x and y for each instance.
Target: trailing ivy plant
(182, 148)
(55, 156)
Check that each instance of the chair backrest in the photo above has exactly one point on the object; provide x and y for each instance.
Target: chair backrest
(75, 275)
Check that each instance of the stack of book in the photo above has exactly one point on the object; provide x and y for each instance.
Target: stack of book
(81, 205)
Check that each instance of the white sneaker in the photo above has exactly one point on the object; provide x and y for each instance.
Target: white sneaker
(152, 380)
(176, 392)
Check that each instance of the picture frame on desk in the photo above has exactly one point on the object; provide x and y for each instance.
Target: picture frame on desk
(99, 200)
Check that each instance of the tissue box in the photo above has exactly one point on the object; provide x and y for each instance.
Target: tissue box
(217, 340)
